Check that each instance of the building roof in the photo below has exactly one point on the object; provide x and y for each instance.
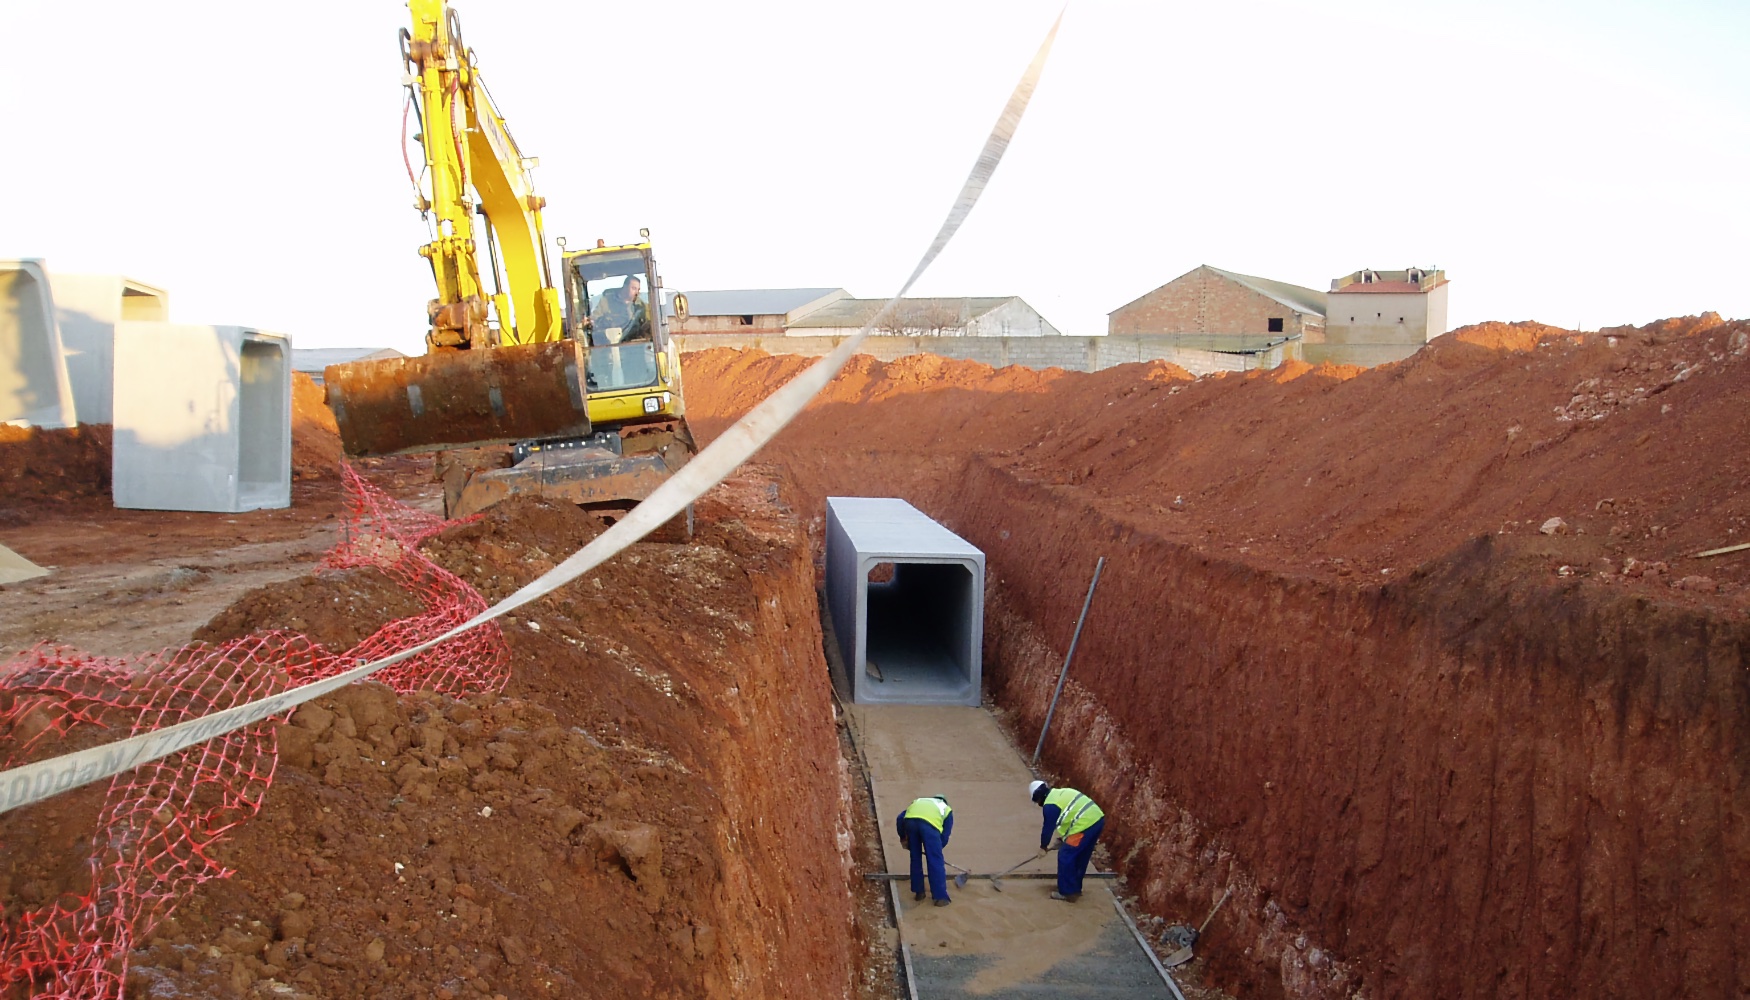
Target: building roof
(848, 313)
(755, 301)
(311, 360)
(1382, 287)
(1295, 297)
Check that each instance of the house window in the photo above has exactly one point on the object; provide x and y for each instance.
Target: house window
(744, 320)
(1275, 324)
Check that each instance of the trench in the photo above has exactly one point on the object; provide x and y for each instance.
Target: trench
(1467, 782)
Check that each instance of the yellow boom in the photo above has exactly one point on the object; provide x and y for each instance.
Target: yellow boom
(469, 152)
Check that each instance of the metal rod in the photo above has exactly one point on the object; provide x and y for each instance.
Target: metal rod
(1063, 675)
(1205, 924)
(1721, 552)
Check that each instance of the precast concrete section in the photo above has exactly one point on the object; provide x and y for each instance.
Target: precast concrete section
(87, 308)
(915, 634)
(203, 417)
(33, 370)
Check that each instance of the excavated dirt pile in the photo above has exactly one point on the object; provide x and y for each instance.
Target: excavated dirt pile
(1419, 660)
(654, 807)
(39, 465)
(316, 451)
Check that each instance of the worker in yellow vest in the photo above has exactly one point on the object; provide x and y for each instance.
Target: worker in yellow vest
(924, 829)
(1073, 824)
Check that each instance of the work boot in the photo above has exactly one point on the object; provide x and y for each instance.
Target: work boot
(1068, 899)
(943, 902)
(918, 896)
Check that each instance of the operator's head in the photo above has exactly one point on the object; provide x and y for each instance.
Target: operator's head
(630, 288)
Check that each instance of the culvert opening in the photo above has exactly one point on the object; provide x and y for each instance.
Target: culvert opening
(906, 597)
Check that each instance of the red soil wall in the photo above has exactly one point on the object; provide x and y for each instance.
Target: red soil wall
(1466, 782)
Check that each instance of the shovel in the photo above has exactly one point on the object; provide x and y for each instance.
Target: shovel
(996, 881)
(960, 879)
(1182, 954)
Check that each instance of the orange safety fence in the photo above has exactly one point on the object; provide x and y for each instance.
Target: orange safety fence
(155, 834)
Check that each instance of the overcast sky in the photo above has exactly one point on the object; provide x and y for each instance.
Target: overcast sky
(1571, 162)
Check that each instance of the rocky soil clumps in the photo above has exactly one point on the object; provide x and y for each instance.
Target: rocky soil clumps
(609, 825)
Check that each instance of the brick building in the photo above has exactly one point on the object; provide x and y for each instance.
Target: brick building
(1213, 302)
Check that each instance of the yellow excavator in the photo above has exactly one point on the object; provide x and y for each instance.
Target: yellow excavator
(517, 392)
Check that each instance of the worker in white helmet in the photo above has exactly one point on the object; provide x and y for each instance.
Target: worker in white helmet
(1073, 824)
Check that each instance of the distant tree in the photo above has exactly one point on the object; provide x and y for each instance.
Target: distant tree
(924, 318)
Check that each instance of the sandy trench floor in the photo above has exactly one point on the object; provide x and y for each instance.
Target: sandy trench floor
(961, 754)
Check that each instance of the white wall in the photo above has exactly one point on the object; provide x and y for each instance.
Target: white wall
(1437, 311)
(1013, 318)
(1374, 318)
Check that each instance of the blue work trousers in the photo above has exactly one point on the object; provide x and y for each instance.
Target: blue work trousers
(925, 842)
(1072, 862)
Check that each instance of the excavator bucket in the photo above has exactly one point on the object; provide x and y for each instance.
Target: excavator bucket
(460, 399)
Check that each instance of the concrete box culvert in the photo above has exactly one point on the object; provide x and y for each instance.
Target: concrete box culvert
(915, 634)
(203, 417)
(34, 388)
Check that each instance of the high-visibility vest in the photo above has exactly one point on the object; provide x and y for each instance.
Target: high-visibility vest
(1076, 812)
(932, 811)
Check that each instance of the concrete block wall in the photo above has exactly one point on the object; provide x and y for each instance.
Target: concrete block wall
(1203, 301)
(203, 417)
(1082, 354)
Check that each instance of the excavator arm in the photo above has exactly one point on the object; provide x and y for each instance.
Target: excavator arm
(595, 418)
(497, 368)
(480, 191)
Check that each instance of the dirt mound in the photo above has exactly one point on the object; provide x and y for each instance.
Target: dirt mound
(316, 451)
(67, 464)
(337, 609)
(1518, 337)
(1629, 436)
(618, 823)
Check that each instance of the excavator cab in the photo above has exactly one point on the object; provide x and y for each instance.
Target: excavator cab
(613, 299)
(637, 433)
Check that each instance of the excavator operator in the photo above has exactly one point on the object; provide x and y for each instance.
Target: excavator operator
(620, 315)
